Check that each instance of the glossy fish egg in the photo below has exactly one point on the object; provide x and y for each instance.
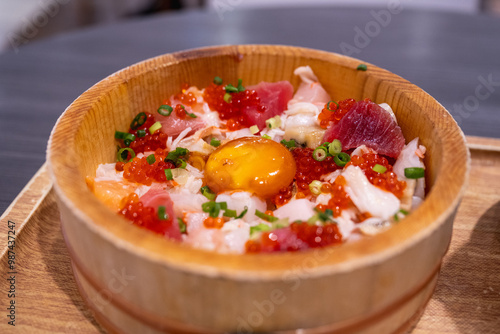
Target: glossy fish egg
(254, 164)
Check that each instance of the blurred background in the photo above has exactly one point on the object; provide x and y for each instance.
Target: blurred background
(28, 20)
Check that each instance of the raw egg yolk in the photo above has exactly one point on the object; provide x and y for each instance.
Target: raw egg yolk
(254, 164)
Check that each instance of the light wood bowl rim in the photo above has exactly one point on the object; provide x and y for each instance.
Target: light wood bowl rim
(248, 267)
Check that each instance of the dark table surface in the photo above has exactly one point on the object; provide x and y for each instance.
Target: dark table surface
(454, 57)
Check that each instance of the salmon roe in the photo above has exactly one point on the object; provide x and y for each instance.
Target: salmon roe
(333, 112)
(188, 99)
(232, 111)
(308, 236)
(340, 200)
(309, 169)
(387, 180)
(211, 222)
(150, 142)
(134, 210)
(283, 196)
(139, 170)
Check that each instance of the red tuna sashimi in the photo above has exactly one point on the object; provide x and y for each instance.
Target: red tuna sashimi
(154, 198)
(274, 96)
(369, 124)
(173, 125)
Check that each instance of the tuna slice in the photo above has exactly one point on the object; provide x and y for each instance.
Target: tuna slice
(154, 198)
(368, 124)
(173, 125)
(274, 96)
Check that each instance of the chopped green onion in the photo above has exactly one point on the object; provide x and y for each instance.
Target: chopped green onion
(154, 127)
(231, 89)
(181, 164)
(361, 67)
(213, 208)
(162, 214)
(414, 172)
(243, 213)
(227, 98)
(266, 136)
(208, 193)
(315, 187)
(207, 206)
(230, 213)
(254, 129)
(379, 169)
(397, 215)
(341, 159)
(330, 102)
(215, 142)
(240, 86)
(319, 153)
(268, 218)
(168, 174)
(259, 228)
(174, 156)
(182, 225)
(273, 122)
(151, 159)
(122, 158)
(138, 120)
(335, 147)
(218, 81)
(289, 144)
(124, 136)
(141, 133)
(222, 205)
(165, 110)
(127, 142)
(324, 217)
(192, 115)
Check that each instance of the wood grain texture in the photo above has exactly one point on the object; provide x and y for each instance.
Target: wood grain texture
(466, 300)
(334, 292)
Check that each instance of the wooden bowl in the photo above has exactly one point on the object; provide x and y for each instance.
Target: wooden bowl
(138, 282)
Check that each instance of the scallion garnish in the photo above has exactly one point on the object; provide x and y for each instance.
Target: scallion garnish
(213, 208)
(323, 217)
(335, 147)
(192, 115)
(208, 193)
(227, 98)
(218, 81)
(361, 67)
(165, 110)
(141, 133)
(329, 104)
(231, 89)
(341, 159)
(168, 174)
(153, 128)
(259, 228)
(266, 136)
(162, 213)
(379, 169)
(181, 164)
(182, 225)
(319, 153)
(138, 120)
(151, 159)
(289, 144)
(266, 217)
(414, 172)
(240, 86)
(123, 153)
(174, 156)
(315, 187)
(215, 142)
(400, 215)
(230, 213)
(124, 135)
(243, 213)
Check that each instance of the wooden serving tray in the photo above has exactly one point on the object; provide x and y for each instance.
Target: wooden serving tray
(466, 300)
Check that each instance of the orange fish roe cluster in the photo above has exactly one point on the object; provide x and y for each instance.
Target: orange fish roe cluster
(333, 112)
(188, 99)
(211, 222)
(150, 142)
(284, 195)
(134, 210)
(232, 110)
(298, 236)
(387, 180)
(309, 169)
(139, 170)
(340, 200)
